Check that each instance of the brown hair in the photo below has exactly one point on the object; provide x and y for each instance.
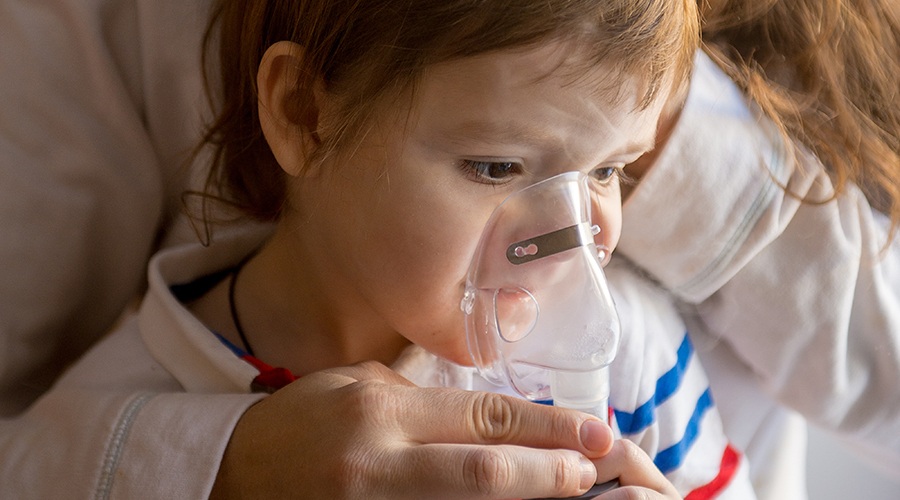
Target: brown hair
(828, 73)
(364, 50)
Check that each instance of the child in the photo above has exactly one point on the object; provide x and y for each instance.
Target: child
(379, 140)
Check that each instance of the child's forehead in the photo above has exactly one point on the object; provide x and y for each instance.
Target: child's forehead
(545, 98)
(538, 61)
(554, 66)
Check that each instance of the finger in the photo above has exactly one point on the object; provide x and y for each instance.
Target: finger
(468, 417)
(371, 371)
(634, 469)
(334, 378)
(494, 471)
(440, 415)
(633, 492)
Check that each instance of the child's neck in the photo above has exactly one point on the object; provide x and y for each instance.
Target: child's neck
(296, 317)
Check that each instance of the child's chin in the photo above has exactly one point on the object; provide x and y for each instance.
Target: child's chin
(454, 354)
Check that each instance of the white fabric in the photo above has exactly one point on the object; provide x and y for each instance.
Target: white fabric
(118, 426)
(99, 107)
(795, 297)
(652, 334)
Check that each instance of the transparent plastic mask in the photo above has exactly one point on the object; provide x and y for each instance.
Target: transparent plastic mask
(539, 315)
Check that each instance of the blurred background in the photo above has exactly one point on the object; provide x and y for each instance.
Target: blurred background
(835, 474)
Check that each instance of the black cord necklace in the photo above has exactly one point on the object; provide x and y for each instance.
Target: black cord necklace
(234, 314)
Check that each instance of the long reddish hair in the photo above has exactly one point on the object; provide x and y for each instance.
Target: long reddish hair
(828, 73)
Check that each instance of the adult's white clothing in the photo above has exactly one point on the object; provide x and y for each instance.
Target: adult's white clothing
(100, 105)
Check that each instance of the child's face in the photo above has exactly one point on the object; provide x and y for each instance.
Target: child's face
(392, 229)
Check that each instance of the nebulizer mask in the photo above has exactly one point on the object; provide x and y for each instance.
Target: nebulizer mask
(539, 315)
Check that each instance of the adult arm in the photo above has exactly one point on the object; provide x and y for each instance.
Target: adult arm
(800, 291)
(117, 426)
(84, 444)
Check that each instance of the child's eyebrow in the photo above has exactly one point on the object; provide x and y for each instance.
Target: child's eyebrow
(499, 132)
(494, 132)
(637, 146)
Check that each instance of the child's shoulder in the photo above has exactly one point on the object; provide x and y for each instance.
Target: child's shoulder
(645, 308)
(660, 393)
(656, 359)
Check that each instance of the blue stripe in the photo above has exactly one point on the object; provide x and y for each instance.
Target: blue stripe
(670, 459)
(644, 415)
(235, 349)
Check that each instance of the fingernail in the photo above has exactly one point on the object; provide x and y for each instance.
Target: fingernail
(595, 436)
(588, 473)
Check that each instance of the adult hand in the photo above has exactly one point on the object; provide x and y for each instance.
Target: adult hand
(364, 432)
(637, 474)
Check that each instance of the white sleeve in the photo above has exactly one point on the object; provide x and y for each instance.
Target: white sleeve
(105, 445)
(800, 291)
(98, 110)
(118, 426)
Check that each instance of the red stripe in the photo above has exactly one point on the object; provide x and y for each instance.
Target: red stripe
(269, 379)
(731, 459)
(258, 364)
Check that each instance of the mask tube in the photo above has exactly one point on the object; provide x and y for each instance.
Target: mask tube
(539, 315)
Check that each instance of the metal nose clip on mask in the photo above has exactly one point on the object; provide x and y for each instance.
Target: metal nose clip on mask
(539, 315)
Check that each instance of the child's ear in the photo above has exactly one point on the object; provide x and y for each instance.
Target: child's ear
(290, 129)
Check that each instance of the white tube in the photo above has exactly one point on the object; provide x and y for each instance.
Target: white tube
(586, 391)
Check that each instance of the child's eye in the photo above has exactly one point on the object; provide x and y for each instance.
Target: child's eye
(490, 172)
(605, 174)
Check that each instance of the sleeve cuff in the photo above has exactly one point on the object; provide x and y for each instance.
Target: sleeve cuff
(718, 173)
(171, 446)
